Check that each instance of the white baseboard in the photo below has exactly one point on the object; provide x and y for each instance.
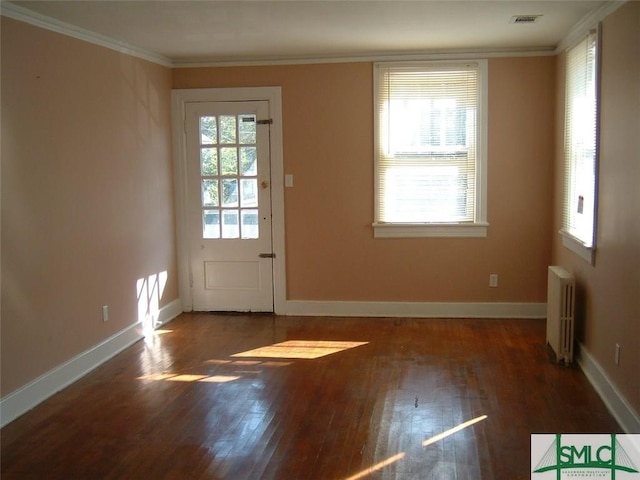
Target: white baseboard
(169, 312)
(30, 395)
(617, 404)
(415, 309)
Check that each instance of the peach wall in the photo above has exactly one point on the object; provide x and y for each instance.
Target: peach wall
(87, 192)
(609, 292)
(328, 147)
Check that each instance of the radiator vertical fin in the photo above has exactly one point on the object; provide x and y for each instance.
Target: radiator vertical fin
(561, 313)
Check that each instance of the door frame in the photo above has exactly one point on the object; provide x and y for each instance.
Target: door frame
(179, 99)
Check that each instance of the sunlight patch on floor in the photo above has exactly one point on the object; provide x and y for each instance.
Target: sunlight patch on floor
(303, 349)
(174, 377)
(160, 332)
(186, 378)
(453, 430)
(220, 378)
(379, 466)
(247, 362)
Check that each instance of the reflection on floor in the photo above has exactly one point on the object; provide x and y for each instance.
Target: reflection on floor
(261, 397)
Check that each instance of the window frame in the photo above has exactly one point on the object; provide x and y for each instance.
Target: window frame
(476, 228)
(584, 248)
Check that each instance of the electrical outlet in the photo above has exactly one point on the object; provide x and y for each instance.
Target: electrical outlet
(617, 354)
(288, 180)
(105, 313)
(493, 280)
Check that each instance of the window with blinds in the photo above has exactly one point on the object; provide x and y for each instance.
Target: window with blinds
(581, 143)
(429, 164)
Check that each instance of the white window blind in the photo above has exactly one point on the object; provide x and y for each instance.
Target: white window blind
(581, 125)
(427, 143)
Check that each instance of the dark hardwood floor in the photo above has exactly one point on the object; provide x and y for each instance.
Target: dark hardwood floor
(343, 398)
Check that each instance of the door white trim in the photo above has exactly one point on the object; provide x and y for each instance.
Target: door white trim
(179, 99)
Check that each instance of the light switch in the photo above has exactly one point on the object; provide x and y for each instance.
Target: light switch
(288, 180)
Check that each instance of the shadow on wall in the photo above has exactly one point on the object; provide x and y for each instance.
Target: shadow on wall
(141, 100)
(580, 311)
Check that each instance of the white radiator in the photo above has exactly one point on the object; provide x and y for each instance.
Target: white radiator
(560, 313)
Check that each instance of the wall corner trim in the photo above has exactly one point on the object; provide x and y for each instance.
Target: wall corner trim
(617, 404)
(414, 309)
(35, 392)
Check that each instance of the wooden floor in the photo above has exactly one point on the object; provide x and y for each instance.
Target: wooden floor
(328, 399)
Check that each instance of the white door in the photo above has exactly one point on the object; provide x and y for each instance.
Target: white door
(229, 206)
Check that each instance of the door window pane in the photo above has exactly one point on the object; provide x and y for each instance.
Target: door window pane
(249, 192)
(209, 161)
(227, 129)
(248, 161)
(247, 129)
(230, 227)
(230, 192)
(229, 161)
(249, 223)
(210, 197)
(208, 131)
(211, 224)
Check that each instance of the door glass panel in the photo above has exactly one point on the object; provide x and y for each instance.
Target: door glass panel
(208, 161)
(247, 128)
(230, 192)
(210, 196)
(229, 176)
(211, 224)
(227, 129)
(249, 223)
(249, 192)
(248, 161)
(230, 226)
(208, 131)
(229, 161)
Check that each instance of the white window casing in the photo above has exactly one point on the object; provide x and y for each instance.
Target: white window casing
(430, 149)
(579, 208)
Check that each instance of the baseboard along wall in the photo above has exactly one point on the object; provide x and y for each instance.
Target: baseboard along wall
(414, 309)
(35, 392)
(617, 404)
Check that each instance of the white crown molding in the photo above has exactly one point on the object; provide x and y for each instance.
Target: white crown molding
(415, 309)
(35, 392)
(382, 57)
(588, 22)
(17, 12)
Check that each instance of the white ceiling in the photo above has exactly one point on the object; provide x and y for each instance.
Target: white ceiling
(187, 31)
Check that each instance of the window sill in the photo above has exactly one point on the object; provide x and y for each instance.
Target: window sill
(414, 230)
(578, 247)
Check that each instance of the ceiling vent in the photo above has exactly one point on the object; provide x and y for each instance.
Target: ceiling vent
(525, 19)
